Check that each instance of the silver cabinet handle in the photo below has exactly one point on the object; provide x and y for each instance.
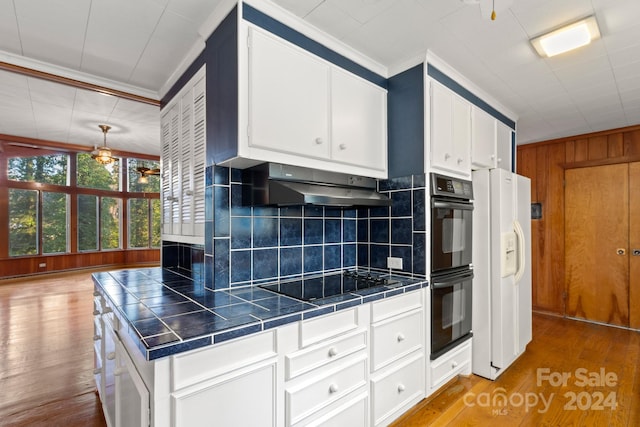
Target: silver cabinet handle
(621, 251)
(635, 252)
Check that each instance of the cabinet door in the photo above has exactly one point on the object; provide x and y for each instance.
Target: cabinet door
(461, 134)
(504, 146)
(192, 164)
(358, 121)
(249, 400)
(441, 124)
(132, 396)
(288, 98)
(483, 139)
(450, 131)
(170, 129)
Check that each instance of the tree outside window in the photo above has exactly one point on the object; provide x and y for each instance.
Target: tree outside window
(23, 222)
(40, 213)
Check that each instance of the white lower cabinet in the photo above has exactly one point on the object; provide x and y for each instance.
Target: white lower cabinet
(243, 398)
(454, 362)
(360, 366)
(124, 395)
(352, 412)
(395, 390)
(324, 387)
(397, 356)
(132, 395)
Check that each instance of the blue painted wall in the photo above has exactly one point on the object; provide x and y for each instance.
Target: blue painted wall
(405, 121)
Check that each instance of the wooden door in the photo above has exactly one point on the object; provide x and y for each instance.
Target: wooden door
(634, 245)
(596, 243)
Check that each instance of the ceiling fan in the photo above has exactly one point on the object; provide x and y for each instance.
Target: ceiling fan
(145, 173)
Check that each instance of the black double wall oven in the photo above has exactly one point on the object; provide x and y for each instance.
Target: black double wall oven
(451, 270)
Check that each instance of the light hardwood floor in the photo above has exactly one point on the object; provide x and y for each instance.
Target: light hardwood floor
(46, 363)
(46, 352)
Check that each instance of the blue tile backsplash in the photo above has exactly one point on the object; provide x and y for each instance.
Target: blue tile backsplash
(248, 244)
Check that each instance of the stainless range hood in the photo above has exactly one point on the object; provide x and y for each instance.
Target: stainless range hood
(283, 185)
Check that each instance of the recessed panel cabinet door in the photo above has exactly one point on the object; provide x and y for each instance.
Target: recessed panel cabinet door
(450, 131)
(358, 121)
(483, 139)
(288, 98)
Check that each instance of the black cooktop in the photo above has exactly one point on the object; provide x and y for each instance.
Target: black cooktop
(332, 284)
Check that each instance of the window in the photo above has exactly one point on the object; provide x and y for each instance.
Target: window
(87, 223)
(23, 222)
(55, 217)
(144, 223)
(110, 222)
(140, 182)
(51, 212)
(45, 169)
(91, 174)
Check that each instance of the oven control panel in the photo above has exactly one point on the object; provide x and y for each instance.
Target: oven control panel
(452, 187)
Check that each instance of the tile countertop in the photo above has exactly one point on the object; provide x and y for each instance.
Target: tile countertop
(168, 313)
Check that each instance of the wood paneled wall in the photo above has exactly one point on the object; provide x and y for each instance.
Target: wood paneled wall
(23, 266)
(545, 163)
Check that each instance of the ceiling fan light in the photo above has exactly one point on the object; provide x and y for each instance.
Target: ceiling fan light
(103, 154)
(143, 179)
(567, 38)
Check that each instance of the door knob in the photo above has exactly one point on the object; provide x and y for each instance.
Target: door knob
(621, 251)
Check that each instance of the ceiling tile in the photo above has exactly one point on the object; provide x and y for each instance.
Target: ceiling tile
(195, 11)
(364, 11)
(9, 28)
(118, 33)
(299, 7)
(45, 92)
(333, 20)
(53, 31)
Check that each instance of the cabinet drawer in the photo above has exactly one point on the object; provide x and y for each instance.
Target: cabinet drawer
(194, 366)
(320, 391)
(353, 413)
(395, 337)
(97, 305)
(450, 364)
(397, 389)
(389, 307)
(321, 354)
(323, 327)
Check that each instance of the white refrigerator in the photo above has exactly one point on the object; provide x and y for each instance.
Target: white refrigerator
(501, 313)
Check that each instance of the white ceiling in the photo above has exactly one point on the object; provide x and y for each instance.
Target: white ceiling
(137, 46)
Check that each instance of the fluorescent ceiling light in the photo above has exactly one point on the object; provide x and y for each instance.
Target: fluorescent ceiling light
(567, 38)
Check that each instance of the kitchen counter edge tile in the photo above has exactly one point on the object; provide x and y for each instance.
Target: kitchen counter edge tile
(167, 313)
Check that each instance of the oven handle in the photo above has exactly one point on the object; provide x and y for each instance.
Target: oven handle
(447, 281)
(452, 205)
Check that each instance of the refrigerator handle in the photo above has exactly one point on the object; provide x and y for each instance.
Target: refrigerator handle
(521, 248)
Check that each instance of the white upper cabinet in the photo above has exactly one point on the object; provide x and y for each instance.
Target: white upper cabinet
(288, 98)
(304, 111)
(358, 121)
(183, 135)
(483, 139)
(503, 143)
(450, 131)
